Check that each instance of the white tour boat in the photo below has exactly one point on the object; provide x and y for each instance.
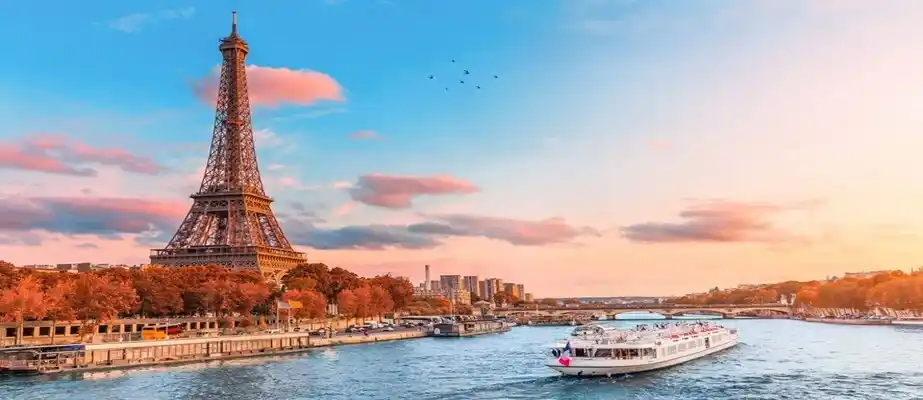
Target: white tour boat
(608, 352)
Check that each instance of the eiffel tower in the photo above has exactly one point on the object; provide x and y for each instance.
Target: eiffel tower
(231, 223)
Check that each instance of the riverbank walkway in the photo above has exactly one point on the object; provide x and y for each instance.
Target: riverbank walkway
(189, 350)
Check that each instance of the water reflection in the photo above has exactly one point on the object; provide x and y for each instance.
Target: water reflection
(776, 359)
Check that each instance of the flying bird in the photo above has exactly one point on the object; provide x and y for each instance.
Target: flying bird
(478, 86)
(495, 77)
(461, 81)
(453, 61)
(430, 77)
(446, 89)
(467, 73)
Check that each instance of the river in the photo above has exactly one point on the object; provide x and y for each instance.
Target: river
(777, 359)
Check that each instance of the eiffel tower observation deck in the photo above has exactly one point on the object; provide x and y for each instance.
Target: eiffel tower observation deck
(231, 223)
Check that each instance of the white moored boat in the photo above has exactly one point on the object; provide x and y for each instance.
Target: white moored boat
(607, 352)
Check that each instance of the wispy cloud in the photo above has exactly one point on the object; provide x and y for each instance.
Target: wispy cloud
(364, 135)
(134, 23)
(266, 138)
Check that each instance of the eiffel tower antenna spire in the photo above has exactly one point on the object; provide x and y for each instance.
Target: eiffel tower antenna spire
(231, 223)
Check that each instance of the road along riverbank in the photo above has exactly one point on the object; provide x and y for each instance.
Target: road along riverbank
(92, 357)
(845, 321)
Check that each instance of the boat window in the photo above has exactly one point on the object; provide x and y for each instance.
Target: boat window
(604, 353)
(671, 350)
(652, 353)
(579, 352)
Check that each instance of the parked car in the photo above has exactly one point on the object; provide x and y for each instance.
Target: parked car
(388, 329)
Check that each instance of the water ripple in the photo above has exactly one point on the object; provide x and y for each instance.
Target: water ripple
(776, 360)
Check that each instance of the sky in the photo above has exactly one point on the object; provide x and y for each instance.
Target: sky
(625, 147)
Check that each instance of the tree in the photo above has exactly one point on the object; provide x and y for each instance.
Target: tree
(301, 284)
(549, 302)
(501, 298)
(314, 306)
(247, 295)
(363, 301)
(340, 280)
(24, 301)
(8, 275)
(58, 304)
(217, 296)
(97, 298)
(380, 302)
(158, 291)
(349, 304)
(400, 289)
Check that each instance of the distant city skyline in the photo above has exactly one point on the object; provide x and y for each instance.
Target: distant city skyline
(613, 147)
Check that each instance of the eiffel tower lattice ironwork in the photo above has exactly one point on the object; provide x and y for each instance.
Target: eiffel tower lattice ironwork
(231, 223)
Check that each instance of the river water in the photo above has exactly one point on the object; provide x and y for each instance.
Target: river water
(777, 359)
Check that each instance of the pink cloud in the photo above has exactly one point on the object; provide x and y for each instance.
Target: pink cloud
(393, 191)
(57, 154)
(344, 209)
(515, 231)
(435, 230)
(717, 221)
(89, 215)
(274, 86)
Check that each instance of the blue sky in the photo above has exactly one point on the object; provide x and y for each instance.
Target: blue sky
(610, 114)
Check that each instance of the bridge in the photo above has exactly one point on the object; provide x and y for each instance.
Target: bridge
(667, 310)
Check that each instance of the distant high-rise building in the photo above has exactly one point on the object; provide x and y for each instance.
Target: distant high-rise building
(482, 289)
(426, 279)
(450, 282)
(434, 286)
(520, 291)
(513, 290)
(529, 298)
(494, 286)
(471, 285)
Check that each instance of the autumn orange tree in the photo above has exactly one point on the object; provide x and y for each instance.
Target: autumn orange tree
(23, 301)
(192, 291)
(314, 305)
(894, 289)
(429, 306)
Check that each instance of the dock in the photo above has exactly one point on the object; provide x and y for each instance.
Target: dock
(91, 357)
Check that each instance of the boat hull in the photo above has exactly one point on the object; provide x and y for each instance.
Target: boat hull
(583, 367)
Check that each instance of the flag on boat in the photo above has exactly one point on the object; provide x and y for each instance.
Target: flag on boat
(565, 360)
